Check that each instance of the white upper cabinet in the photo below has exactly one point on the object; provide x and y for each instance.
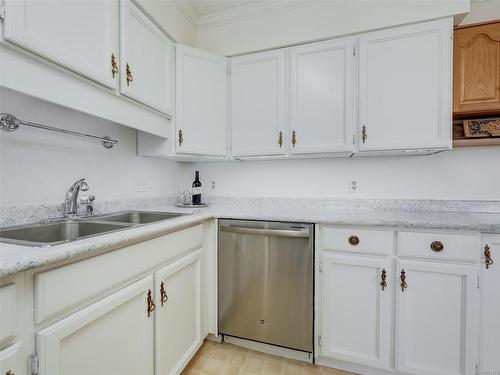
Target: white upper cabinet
(146, 60)
(356, 309)
(79, 35)
(322, 97)
(258, 104)
(490, 323)
(201, 102)
(405, 88)
(436, 318)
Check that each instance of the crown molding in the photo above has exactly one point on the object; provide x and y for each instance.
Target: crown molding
(187, 11)
(248, 12)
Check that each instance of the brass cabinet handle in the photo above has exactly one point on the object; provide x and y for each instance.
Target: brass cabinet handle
(354, 240)
(437, 246)
(151, 304)
(9, 372)
(163, 294)
(383, 276)
(294, 138)
(403, 284)
(280, 138)
(129, 74)
(364, 136)
(114, 65)
(487, 257)
(181, 139)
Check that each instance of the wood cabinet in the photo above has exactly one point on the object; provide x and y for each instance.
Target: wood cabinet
(201, 102)
(178, 314)
(476, 66)
(322, 97)
(111, 336)
(405, 88)
(79, 35)
(258, 104)
(146, 60)
(436, 330)
(490, 322)
(356, 312)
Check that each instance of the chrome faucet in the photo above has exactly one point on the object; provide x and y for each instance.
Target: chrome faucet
(71, 200)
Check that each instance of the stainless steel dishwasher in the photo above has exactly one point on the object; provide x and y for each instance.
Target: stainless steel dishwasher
(266, 282)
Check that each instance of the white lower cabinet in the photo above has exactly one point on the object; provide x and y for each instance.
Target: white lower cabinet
(178, 313)
(490, 322)
(436, 329)
(111, 336)
(10, 360)
(356, 309)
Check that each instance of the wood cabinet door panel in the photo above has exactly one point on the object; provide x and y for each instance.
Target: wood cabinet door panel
(477, 69)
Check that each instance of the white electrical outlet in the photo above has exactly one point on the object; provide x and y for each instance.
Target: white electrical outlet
(353, 186)
(212, 186)
(140, 186)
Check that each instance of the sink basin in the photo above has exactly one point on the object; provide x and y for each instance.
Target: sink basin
(138, 217)
(56, 232)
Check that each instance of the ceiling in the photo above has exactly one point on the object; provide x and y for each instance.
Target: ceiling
(207, 7)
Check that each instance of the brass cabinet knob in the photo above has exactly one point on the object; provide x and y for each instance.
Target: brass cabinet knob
(280, 138)
(181, 139)
(354, 240)
(114, 65)
(437, 246)
(364, 135)
(9, 372)
(403, 284)
(294, 138)
(488, 260)
(383, 276)
(129, 74)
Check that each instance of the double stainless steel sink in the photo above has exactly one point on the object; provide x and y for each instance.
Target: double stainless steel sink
(66, 230)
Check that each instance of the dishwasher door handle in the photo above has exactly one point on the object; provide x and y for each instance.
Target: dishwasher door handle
(303, 233)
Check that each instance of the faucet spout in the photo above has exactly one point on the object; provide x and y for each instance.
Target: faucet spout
(71, 200)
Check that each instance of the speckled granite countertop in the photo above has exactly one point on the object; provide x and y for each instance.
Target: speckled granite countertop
(15, 258)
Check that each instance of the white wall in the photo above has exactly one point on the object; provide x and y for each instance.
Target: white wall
(482, 10)
(319, 20)
(37, 166)
(462, 174)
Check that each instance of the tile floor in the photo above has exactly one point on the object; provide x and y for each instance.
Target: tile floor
(227, 359)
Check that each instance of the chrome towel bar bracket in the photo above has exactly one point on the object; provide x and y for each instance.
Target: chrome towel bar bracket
(10, 123)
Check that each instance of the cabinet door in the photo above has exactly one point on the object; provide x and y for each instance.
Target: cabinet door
(355, 322)
(405, 88)
(490, 322)
(258, 104)
(321, 97)
(476, 81)
(10, 360)
(437, 320)
(146, 58)
(79, 35)
(201, 109)
(178, 314)
(112, 336)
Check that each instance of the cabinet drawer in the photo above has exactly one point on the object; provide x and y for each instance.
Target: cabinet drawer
(357, 240)
(7, 312)
(439, 245)
(10, 360)
(65, 288)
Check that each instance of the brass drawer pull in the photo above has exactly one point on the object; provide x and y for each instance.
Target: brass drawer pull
(487, 257)
(163, 294)
(114, 65)
(181, 139)
(129, 74)
(403, 281)
(364, 136)
(294, 138)
(437, 246)
(354, 240)
(383, 276)
(280, 138)
(151, 304)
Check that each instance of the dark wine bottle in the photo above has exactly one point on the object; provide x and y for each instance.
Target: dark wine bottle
(196, 188)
